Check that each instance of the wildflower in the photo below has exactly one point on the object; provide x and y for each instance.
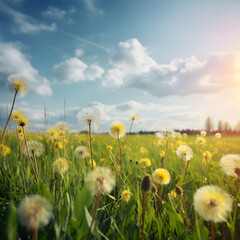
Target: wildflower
(60, 166)
(162, 153)
(100, 179)
(185, 135)
(4, 150)
(94, 163)
(117, 130)
(230, 165)
(35, 147)
(23, 121)
(134, 117)
(184, 152)
(143, 150)
(58, 145)
(52, 133)
(207, 155)
(102, 160)
(34, 211)
(161, 176)
(15, 116)
(88, 116)
(126, 195)
(62, 126)
(81, 151)
(17, 85)
(218, 135)
(212, 203)
(203, 133)
(172, 195)
(201, 141)
(145, 162)
(164, 135)
(109, 148)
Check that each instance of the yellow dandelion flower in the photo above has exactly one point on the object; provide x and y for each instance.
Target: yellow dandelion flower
(207, 155)
(201, 141)
(161, 176)
(23, 121)
(100, 179)
(102, 160)
(212, 203)
(94, 163)
(162, 153)
(117, 130)
(58, 145)
(4, 150)
(18, 85)
(52, 133)
(126, 195)
(134, 117)
(15, 116)
(143, 150)
(145, 162)
(34, 211)
(109, 148)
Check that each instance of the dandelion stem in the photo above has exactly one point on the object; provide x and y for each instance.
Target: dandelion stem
(164, 153)
(90, 141)
(25, 139)
(143, 214)
(94, 214)
(180, 170)
(46, 155)
(120, 152)
(212, 231)
(159, 195)
(4, 131)
(84, 169)
(34, 234)
(186, 170)
(185, 210)
(35, 161)
(128, 135)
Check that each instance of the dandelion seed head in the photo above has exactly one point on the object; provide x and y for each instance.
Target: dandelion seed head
(117, 130)
(203, 133)
(100, 179)
(212, 203)
(17, 85)
(81, 152)
(229, 163)
(35, 147)
(218, 135)
(60, 166)
(34, 211)
(88, 116)
(184, 152)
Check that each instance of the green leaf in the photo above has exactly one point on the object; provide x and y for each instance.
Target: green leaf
(43, 191)
(89, 218)
(83, 199)
(12, 224)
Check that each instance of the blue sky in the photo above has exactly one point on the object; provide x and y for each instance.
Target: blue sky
(172, 62)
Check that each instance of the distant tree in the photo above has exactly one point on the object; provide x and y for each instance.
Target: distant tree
(227, 128)
(220, 126)
(209, 125)
(238, 127)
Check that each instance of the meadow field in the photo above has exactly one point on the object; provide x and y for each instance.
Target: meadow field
(130, 207)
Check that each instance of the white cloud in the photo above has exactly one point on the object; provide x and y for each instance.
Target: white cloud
(134, 67)
(24, 23)
(113, 78)
(91, 6)
(131, 57)
(79, 52)
(59, 14)
(13, 63)
(54, 12)
(74, 70)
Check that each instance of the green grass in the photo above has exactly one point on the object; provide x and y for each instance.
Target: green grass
(115, 219)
